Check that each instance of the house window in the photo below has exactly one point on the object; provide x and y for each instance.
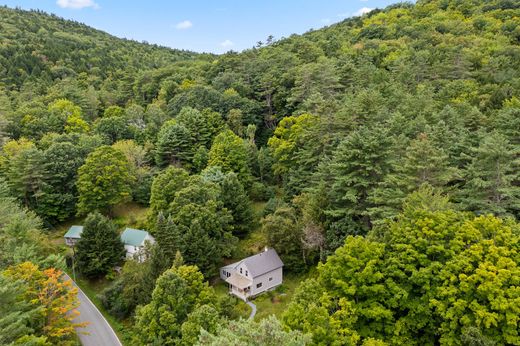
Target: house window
(270, 279)
(259, 285)
(228, 274)
(240, 270)
(246, 273)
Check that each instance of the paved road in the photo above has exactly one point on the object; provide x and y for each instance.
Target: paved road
(98, 332)
(253, 309)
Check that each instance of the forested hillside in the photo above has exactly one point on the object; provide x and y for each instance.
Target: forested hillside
(384, 149)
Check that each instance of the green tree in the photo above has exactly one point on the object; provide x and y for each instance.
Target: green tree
(113, 111)
(18, 316)
(204, 317)
(100, 247)
(268, 331)
(174, 145)
(428, 277)
(104, 180)
(358, 165)
(423, 163)
(62, 161)
(491, 178)
(136, 283)
(112, 129)
(287, 139)
(179, 291)
(284, 233)
(230, 154)
(164, 187)
(199, 226)
(27, 174)
(234, 199)
(65, 115)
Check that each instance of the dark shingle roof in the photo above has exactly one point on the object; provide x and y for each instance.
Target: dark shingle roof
(260, 263)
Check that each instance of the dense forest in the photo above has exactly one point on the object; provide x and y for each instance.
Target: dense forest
(384, 150)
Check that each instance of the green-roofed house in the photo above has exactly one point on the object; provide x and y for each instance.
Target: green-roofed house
(135, 240)
(73, 235)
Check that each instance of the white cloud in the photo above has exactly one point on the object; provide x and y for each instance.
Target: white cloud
(227, 43)
(77, 4)
(185, 24)
(362, 11)
(325, 20)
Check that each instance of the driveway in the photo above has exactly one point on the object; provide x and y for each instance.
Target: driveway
(98, 332)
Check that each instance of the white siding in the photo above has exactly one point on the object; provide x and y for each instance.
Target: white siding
(242, 270)
(130, 250)
(276, 276)
(149, 238)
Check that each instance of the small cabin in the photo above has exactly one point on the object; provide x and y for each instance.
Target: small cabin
(73, 235)
(254, 275)
(135, 241)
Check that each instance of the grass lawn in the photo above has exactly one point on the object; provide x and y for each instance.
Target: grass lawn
(92, 289)
(277, 301)
(269, 303)
(130, 215)
(124, 215)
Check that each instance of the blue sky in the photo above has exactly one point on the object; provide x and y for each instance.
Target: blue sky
(203, 25)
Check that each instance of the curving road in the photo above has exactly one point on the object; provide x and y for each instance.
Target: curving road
(98, 332)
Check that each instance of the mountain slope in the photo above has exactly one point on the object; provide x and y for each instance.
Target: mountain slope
(42, 46)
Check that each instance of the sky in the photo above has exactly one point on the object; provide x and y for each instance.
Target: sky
(213, 26)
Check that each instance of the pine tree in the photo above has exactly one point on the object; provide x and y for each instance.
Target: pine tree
(423, 163)
(166, 237)
(360, 162)
(492, 178)
(100, 247)
(174, 145)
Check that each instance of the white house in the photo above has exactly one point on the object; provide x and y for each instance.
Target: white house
(254, 275)
(73, 235)
(134, 241)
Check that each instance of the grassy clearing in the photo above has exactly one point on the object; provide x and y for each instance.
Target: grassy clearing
(124, 215)
(130, 215)
(92, 288)
(269, 303)
(277, 301)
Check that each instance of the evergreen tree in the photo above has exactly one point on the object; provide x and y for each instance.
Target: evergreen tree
(492, 178)
(174, 145)
(360, 162)
(233, 197)
(423, 163)
(100, 247)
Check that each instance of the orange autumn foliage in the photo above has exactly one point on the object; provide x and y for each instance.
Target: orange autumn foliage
(56, 296)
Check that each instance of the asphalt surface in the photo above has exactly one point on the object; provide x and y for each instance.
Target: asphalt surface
(98, 332)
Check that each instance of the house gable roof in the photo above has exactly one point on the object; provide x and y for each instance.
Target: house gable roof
(134, 237)
(259, 264)
(74, 232)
